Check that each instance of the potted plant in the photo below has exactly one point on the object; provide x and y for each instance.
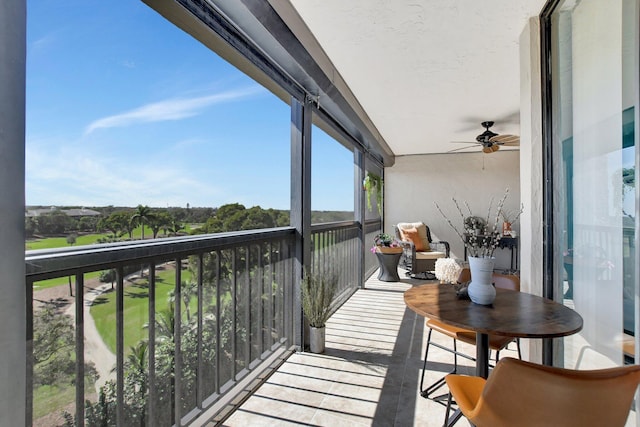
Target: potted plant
(373, 182)
(386, 244)
(318, 290)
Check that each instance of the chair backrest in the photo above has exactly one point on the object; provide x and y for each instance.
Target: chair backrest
(465, 275)
(421, 227)
(502, 281)
(506, 281)
(524, 394)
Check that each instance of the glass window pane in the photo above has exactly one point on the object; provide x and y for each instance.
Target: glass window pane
(332, 177)
(593, 167)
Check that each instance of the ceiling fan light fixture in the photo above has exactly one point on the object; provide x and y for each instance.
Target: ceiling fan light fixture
(487, 150)
(495, 147)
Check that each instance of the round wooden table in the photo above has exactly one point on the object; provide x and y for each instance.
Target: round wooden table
(512, 314)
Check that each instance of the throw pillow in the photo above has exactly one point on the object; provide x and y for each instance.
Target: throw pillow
(411, 234)
(403, 236)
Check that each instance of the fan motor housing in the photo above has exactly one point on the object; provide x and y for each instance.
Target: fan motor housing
(485, 136)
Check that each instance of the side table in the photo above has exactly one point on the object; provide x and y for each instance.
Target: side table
(388, 263)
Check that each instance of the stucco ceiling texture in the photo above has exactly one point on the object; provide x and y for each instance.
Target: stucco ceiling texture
(427, 72)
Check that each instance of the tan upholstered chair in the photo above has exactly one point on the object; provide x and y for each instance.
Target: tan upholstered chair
(525, 394)
(420, 251)
(496, 343)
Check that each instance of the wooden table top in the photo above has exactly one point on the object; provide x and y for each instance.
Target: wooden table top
(512, 314)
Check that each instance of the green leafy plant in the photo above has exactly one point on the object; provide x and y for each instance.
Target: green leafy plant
(386, 240)
(373, 182)
(318, 290)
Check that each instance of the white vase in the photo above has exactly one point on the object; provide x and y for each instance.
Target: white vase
(481, 290)
(316, 339)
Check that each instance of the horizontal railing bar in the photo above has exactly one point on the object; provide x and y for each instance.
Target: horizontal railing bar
(45, 263)
(372, 225)
(337, 225)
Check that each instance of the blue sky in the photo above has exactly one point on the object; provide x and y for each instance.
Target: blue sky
(123, 109)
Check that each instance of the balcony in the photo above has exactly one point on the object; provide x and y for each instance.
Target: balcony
(186, 321)
(214, 339)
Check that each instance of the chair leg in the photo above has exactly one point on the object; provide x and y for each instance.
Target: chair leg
(517, 346)
(455, 357)
(446, 414)
(424, 365)
(449, 421)
(425, 392)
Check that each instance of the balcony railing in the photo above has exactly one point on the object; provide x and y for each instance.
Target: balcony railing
(183, 322)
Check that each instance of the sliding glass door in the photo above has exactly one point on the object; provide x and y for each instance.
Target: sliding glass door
(594, 80)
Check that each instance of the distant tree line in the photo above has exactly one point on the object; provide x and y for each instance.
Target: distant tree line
(120, 222)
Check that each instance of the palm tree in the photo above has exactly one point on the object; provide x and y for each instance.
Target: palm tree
(165, 323)
(189, 289)
(143, 215)
(158, 221)
(176, 227)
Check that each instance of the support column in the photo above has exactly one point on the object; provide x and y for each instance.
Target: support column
(12, 279)
(359, 210)
(531, 173)
(300, 204)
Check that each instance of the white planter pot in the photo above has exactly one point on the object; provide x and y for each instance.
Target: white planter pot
(316, 339)
(481, 290)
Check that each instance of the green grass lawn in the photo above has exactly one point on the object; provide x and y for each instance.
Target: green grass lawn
(84, 239)
(61, 242)
(90, 239)
(49, 399)
(136, 309)
(50, 283)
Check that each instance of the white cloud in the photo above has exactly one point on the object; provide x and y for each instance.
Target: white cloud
(43, 42)
(70, 176)
(170, 109)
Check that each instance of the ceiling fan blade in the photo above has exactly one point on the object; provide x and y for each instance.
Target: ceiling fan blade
(505, 139)
(462, 148)
(465, 142)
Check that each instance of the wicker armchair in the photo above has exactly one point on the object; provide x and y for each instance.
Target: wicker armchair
(420, 251)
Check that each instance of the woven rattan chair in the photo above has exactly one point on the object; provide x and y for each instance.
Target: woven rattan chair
(420, 251)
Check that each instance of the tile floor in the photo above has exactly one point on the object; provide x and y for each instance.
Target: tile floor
(369, 374)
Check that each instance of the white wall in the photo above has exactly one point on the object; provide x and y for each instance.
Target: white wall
(414, 183)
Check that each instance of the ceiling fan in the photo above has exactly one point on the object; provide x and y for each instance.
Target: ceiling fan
(490, 141)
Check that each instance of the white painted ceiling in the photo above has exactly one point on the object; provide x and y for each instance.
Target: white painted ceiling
(426, 72)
